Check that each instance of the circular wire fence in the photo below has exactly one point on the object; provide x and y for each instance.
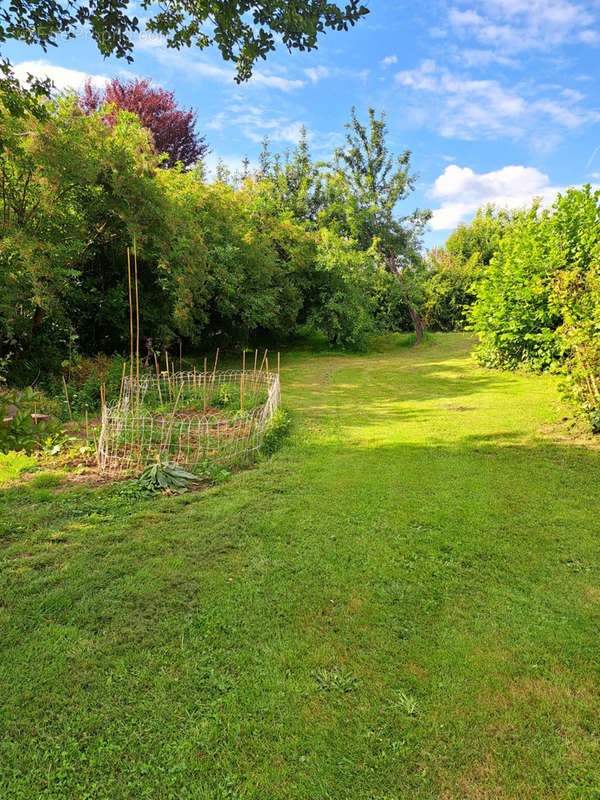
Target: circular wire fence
(188, 418)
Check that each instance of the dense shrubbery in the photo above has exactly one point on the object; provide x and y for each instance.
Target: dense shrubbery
(292, 246)
(538, 302)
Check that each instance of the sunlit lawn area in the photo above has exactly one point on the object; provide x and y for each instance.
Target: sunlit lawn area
(404, 602)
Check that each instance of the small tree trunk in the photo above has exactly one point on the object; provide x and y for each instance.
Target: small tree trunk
(417, 320)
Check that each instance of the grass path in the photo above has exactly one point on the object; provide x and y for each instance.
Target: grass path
(403, 603)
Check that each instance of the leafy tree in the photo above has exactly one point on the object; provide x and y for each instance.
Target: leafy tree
(173, 128)
(455, 270)
(512, 315)
(74, 193)
(295, 181)
(340, 304)
(364, 187)
(243, 31)
(575, 294)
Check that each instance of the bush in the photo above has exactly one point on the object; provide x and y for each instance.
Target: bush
(20, 429)
(512, 315)
(276, 432)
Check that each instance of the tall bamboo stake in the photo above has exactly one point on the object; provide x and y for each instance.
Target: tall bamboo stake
(130, 325)
(168, 375)
(67, 398)
(214, 372)
(122, 381)
(264, 358)
(242, 379)
(157, 377)
(278, 363)
(137, 332)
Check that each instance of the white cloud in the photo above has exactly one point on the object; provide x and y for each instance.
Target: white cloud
(520, 25)
(460, 192)
(181, 61)
(388, 61)
(314, 74)
(473, 109)
(62, 77)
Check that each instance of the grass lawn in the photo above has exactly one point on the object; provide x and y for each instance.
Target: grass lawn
(404, 602)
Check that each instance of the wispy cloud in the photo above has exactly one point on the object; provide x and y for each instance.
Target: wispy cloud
(520, 25)
(315, 74)
(388, 61)
(184, 63)
(470, 109)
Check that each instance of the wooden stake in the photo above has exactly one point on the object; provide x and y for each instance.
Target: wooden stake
(214, 372)
(264, 358)
(137, 332)
(130, 324)
(242, 379)
(204, 377)
(122, 381)
(168, 376)
(87, 427)
(157, 377)
(67, 398)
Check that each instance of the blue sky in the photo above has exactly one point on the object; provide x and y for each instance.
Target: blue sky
(497, 99)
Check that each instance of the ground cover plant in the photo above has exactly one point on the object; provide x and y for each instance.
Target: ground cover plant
(403, 601)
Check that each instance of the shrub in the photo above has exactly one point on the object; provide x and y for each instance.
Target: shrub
(20, 429)
(276, 432)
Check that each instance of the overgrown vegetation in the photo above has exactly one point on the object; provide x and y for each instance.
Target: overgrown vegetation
(296, 246)
(537, 299)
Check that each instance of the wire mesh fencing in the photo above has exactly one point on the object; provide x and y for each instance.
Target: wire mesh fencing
(188, 418)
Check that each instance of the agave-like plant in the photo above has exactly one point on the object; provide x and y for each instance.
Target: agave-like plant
(164, 476)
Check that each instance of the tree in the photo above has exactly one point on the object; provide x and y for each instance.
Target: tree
(243, 31)
(295, 180)
(173, 128)
(512, 315)
(365, 185)
(455, 270)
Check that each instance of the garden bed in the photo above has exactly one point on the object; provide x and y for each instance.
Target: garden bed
(188, 418)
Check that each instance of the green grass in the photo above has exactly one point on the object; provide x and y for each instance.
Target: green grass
(403, 602)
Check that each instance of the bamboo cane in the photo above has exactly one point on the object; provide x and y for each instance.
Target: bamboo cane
(157, 377)
(264, 358)
(122, 381)
(168, 376)
(254, 371)
(87, 427)
(67, 398)
(130, 324)
(242, 379)
(137, 332)
(214, 372)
